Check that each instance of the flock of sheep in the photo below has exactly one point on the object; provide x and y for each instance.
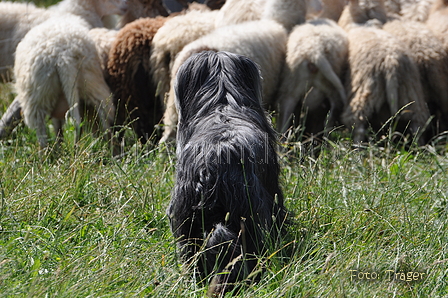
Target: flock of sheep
(362, 62)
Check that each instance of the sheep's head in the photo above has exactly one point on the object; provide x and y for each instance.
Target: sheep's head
(143, 9)
(361, 13)
(110, 7)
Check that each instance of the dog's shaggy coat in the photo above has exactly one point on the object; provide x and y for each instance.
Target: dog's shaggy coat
(227, 203)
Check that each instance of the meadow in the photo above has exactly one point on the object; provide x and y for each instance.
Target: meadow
(79, 223)
(76, 222)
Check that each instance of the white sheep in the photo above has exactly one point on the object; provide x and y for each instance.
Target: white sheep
(264, 46)
(382, 77)
(287, 12)
(183, 29)
(438, 21)
(103, 39)
(239, 11)
(432, 60)
(170, 40)
(16, 19)
(263, 41)
(316, 53)
(409, 10)
(57, 67)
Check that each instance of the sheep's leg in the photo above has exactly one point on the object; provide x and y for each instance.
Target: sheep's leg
(286, 109)
(289, 98)
(57, 124)
(98, 94)
(10, 119)
(76, 115)
(359, 132)
(335, 108)
(41, 132)
(170, 119)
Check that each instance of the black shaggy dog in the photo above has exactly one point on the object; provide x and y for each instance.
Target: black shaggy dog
(227, 204)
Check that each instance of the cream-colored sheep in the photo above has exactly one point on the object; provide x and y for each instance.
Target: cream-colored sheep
(438, 21)
(382, 78)
(409, 10)
(239, 11)
(432, 60)
(103, 39)
(16, 19)
(57, 67)
(170, 40)
(315, 56)
(286, 12)
(264, 41)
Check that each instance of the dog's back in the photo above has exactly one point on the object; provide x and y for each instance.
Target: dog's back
(227, 201)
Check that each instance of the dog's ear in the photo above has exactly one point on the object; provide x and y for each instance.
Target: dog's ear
(245, 77)
(191, 78)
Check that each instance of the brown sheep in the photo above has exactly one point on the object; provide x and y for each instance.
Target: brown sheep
(129, 77)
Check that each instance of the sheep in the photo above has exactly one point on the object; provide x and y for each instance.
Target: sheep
(170, 40)
(409, 10)
(432, 60)
(17, 19)
(382, 77)
(143, 9)
(438, 21)
(102, 37)
(286, 12)
(370, 12)
(183, 29)
(316, 54)
(56, 67)
(263, 41)
(239, 11)
(130, 77)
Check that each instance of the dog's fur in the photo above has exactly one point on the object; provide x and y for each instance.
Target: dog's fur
(227, 197)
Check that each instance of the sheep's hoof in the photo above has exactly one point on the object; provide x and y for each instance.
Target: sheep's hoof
(219, 286)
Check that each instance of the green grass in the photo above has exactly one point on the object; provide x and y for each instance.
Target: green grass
(78, 223)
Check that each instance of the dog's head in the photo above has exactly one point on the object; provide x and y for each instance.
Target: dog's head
(210, 79)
